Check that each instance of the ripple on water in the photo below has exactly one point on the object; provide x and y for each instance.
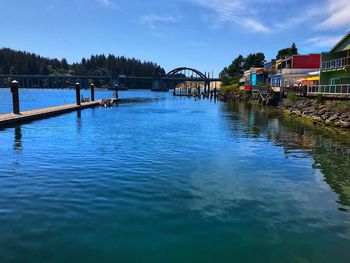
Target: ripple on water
(172, 179)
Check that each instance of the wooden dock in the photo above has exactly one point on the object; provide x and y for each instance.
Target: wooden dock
(31, 115)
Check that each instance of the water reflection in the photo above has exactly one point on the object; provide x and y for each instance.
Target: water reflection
(17, 146)
(329, 149)
(79, 123)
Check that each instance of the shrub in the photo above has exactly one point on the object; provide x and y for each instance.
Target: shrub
(292, 96)
(232, 89)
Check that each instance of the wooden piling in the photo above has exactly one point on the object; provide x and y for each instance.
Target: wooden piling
(77, 92)
(15, 96)
(92, 86)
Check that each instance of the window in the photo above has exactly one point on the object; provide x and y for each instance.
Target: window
(334, 81)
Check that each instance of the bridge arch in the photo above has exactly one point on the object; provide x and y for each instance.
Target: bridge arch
(187, 70)
(100, 71)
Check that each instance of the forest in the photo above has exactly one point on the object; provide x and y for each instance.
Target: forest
(15, 62)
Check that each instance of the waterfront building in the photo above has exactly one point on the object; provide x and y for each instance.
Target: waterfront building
(270, 70)
(335, 66)
(296, 70)
(245, 81)
(252, 78)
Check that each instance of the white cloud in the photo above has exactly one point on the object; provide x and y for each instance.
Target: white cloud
(311, 13)
(326, 15)
(324, 41)
(256, 26)
(338, 15)
(152, 19)
(239, 12)
(108, 3)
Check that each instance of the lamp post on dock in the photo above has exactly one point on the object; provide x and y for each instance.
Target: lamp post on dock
(92, 86)
(77, 93)
(15, 96)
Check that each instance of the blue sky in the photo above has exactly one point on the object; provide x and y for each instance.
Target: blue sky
(204, 34)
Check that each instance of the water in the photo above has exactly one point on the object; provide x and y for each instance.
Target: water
(31, 99)
(174, 180)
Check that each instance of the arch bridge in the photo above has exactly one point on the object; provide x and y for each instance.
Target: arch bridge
(183, 74)
(162, 83)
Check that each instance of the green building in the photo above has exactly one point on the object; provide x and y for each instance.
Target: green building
(335, 65)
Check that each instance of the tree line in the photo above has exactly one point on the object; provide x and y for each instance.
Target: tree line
(15, 62)
(232, 73)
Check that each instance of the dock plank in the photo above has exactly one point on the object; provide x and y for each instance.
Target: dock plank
(30, 115)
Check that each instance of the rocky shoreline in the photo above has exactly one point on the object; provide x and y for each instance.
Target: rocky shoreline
(328, 113)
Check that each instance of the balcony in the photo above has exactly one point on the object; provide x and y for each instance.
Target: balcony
(335, 91)
(336, 64)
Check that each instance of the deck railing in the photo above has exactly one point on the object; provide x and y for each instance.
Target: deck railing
(336, 63)
(342, 89)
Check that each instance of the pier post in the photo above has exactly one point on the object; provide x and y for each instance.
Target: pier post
(15, 96)
(116, 91)
(77, 92)
(92, 86)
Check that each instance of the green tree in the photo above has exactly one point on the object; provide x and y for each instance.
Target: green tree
(64, 64)
(232, 73)
(287, 52)
(19, 62)
(255, 60)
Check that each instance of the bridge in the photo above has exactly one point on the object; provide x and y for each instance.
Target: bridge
(162, 83)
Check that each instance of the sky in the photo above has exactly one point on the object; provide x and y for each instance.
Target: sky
(203, 34)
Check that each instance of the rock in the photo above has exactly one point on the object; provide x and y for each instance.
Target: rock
(344, 124)
(333, 118)
(326, 115)
(337, 124)
(328, 122)
(297, 112)
(317, 119)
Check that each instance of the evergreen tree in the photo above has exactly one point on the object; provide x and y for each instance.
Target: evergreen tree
(256, 60)
(23, 63)
(287, 52)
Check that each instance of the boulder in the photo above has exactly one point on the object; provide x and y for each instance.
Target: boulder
(328, 122)
(333, 117)
(344, 124)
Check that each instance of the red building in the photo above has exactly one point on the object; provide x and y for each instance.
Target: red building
(311, 61)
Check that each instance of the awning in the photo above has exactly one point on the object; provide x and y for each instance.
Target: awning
(313, 79)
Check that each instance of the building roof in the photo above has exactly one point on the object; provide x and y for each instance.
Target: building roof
(343, 44)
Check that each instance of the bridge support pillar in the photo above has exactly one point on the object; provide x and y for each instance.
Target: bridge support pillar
(15, 96)
(157, 84)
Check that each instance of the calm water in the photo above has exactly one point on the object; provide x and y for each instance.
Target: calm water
(174, 180)
(31, 99)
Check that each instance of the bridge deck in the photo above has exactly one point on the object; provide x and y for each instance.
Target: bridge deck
(31, 115)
